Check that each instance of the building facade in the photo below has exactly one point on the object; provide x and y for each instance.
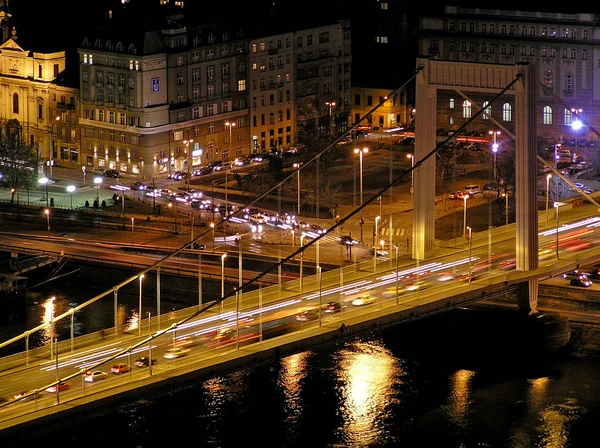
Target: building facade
(562, 47)
(32, 92)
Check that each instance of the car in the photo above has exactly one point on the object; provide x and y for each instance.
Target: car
(363, 299)
(27, 395)
(571, 274)
(99, 171)
(96, 375)
(120, 368)
(61, 386)
(347, 240)
(389, 293)
(344, 140)
(472, 189)
(138, 186)
(332, 307)
(112, 173)
(313, 313)
(176, 352)
(456, 195)
(144, 361)
(581, 281)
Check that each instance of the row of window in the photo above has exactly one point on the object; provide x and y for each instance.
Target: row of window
(490, 48)
(288, 116)
(88, 59)
(530, 30)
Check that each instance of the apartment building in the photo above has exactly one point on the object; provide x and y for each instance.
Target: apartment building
(272, 92)
(323, 61)
(153, 102)
(563, 48)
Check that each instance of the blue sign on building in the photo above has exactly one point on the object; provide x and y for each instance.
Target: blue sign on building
(155, 85)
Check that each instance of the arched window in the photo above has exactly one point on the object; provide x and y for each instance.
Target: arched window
(15, 103)
(547, 115)
(506, 112)
(466, 109)
(568, 117)
(487, 110)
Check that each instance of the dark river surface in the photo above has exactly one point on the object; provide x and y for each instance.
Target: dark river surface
(463, 378)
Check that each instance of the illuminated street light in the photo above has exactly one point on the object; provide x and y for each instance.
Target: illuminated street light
(301, 258)
(47, 212)
(98, 181)
(44, 181)
(412, 177)
(375, 230)
(212, 226)
(556, 206)
(576, 125)
(230, 125)
(465, 215)
(360, 152)
(140, 309)
(71, 189)
(297, 167)
(547, 193)
(494, 150)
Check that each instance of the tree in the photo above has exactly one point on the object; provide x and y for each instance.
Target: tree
(18, 162)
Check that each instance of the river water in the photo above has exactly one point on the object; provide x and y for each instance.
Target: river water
(459, 379)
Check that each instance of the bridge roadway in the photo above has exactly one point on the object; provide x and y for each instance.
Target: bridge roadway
(266, 324)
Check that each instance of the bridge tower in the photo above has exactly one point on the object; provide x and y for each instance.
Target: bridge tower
(494, 80)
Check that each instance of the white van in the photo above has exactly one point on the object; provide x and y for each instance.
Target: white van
(473, 189)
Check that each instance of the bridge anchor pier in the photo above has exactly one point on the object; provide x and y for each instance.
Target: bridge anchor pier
(527, 297)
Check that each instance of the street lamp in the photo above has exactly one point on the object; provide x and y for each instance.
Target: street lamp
(375, 230)
(494, 150)
(230, 125)
(330, 105)
(505, 196)
(140, 308)
(51, 150)
(212, 226)
(71, 189)
(556, 205)
(44, 181)
(222, 279)
(547, 193)
(301, 258)
(465, 215)
(412, 176)
(47, 212)
(297, 167)
(360, 153)
(98, 181)
(189, 164)
(576, 125)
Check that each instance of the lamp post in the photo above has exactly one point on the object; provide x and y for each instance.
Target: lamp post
(44, 181)
(133, 231)
(51, 150)
(412, 177)
(375, 232)
(170, 205)
(360, 153)
(222, 279)
(301, 258)
(297, 167)
(189, 164)
(547, 193)
(71, 189)
(47, 212)
(98, 181)
(52, 299)
(330, 105)
(505, 195)
(556, 205)
(576, 125)
(470, 252)
(140, 307)
(230, 125)
(212, 226)
(494, 150)
(465, 215)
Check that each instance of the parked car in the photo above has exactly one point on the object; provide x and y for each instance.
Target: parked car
(96, 375)
(99, 171)
(120, 368)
